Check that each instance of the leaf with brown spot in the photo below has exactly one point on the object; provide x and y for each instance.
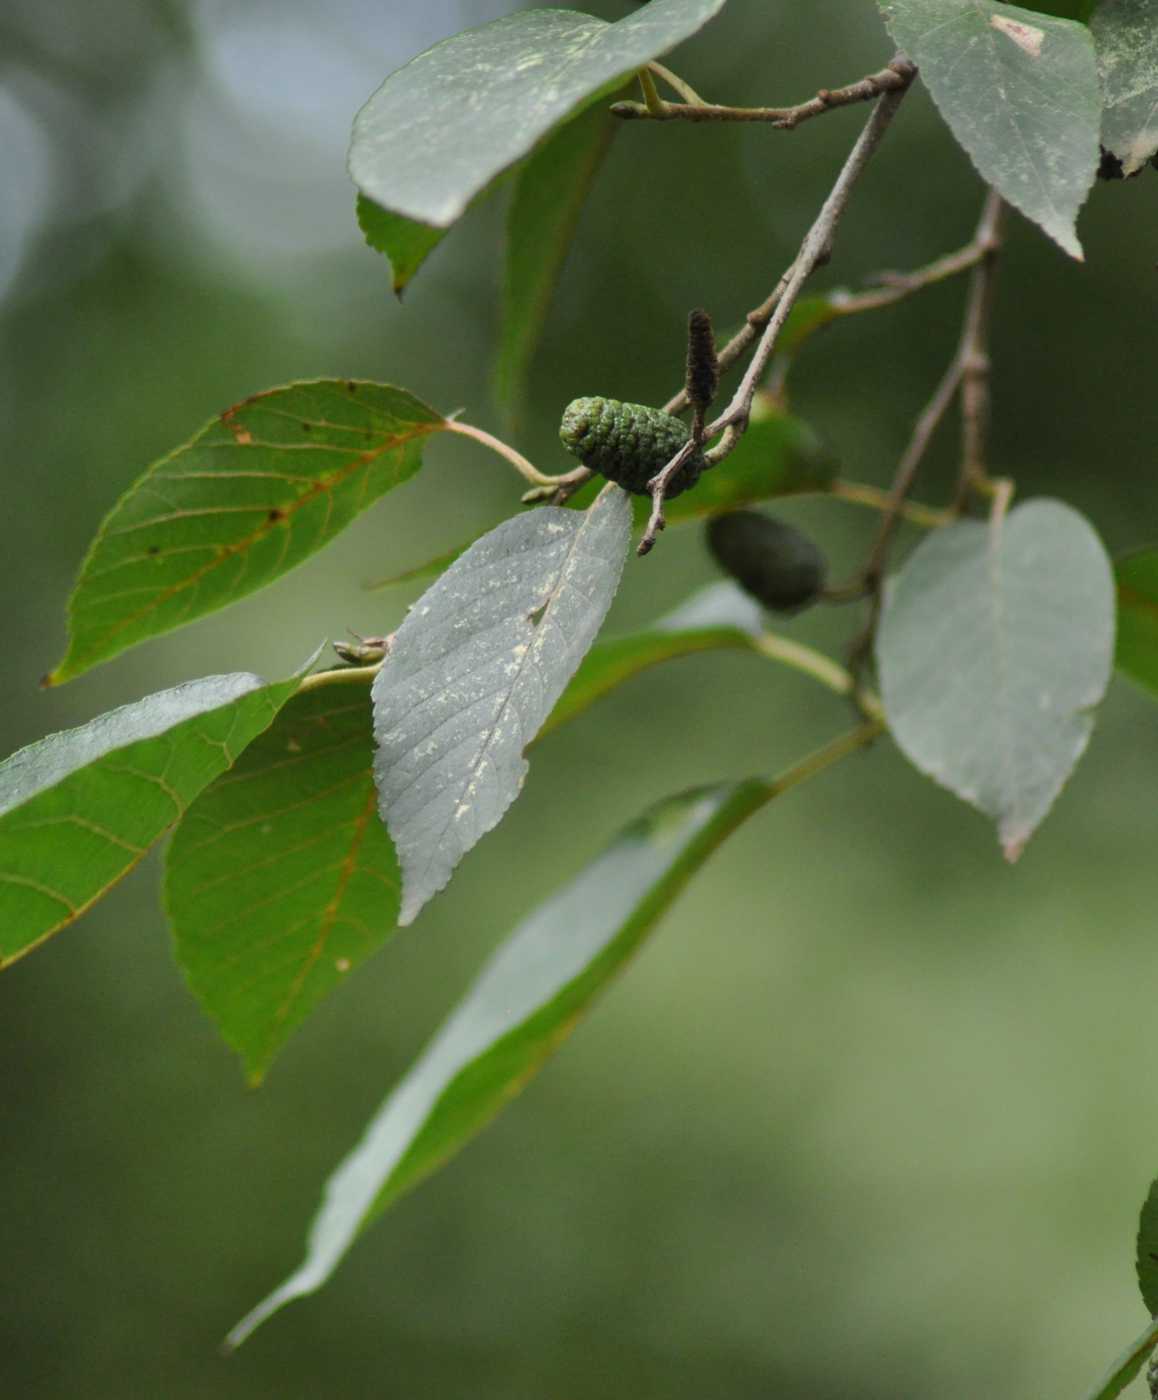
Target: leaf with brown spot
(252, 495)
(281, 878)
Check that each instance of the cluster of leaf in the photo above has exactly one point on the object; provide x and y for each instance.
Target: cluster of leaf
(280, 877)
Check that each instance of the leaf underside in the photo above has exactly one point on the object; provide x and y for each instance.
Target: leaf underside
(522, 1006)
(442, 127)
(474, 671)
(993, 650)
(252, 495)
(1019, 90)
(79, 809)
(1126, 35)
(281, 879)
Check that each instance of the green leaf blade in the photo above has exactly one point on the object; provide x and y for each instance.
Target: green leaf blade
(993, 649)
(1126, 35)
(443, 127)
(80, 809)
(1019, 90)
(252, 495)
(548, 198)
(524, 1003)
(1136, 654)
(404, 242)
(474, 671)
(1146, 1254)
(280, 879)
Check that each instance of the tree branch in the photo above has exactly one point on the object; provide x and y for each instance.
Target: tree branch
(815, 250)
(892, 78)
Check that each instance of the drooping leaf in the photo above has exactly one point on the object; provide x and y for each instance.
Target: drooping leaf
(474, 671)
(79, 809)
(440, 129)
(994, 646)
(253, 494)
(281, 879)
(1137, 647)
(523, 1004)
(1126, 35)
(1146, 1258)
(1020, 93)
(549, 194)
(719, 618)
(405, 242)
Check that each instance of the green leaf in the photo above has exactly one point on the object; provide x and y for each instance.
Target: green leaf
(79, 809)
(1146, 1258)
(1020, 92)
(1126, 35)
(405, 242)
(718, 618)
(281, 879)
(474, 671)
(524, 1003)
(1128, 1366)
(253, 494)
(440, 129)
(994, 647)
(1137, 647)
(548, 198)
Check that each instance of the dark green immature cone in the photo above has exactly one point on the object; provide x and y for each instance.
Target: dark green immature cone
(776, 564)
(628, 443)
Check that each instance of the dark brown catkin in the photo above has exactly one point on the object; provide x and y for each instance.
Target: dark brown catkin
(703, 369)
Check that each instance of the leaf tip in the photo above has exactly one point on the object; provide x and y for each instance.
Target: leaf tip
(1013, 845)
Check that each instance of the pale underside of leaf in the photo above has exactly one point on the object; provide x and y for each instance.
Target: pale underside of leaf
(1126, 35)
(524, 1003)
(996, 644)
(251, 496)
(80, 809)
(474, 671)
(440, 129)
(1019, 90)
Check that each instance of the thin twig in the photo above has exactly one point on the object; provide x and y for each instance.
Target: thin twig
(694, 109)
(969, 362)
(811, 662)
(675, 82)
(974, 354)
(815, 250)
(516, 459)
(858, 493)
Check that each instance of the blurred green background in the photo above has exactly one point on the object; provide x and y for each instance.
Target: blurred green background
(873, 1115)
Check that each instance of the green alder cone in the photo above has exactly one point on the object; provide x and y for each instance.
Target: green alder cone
(775, 563)
(628, 443)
